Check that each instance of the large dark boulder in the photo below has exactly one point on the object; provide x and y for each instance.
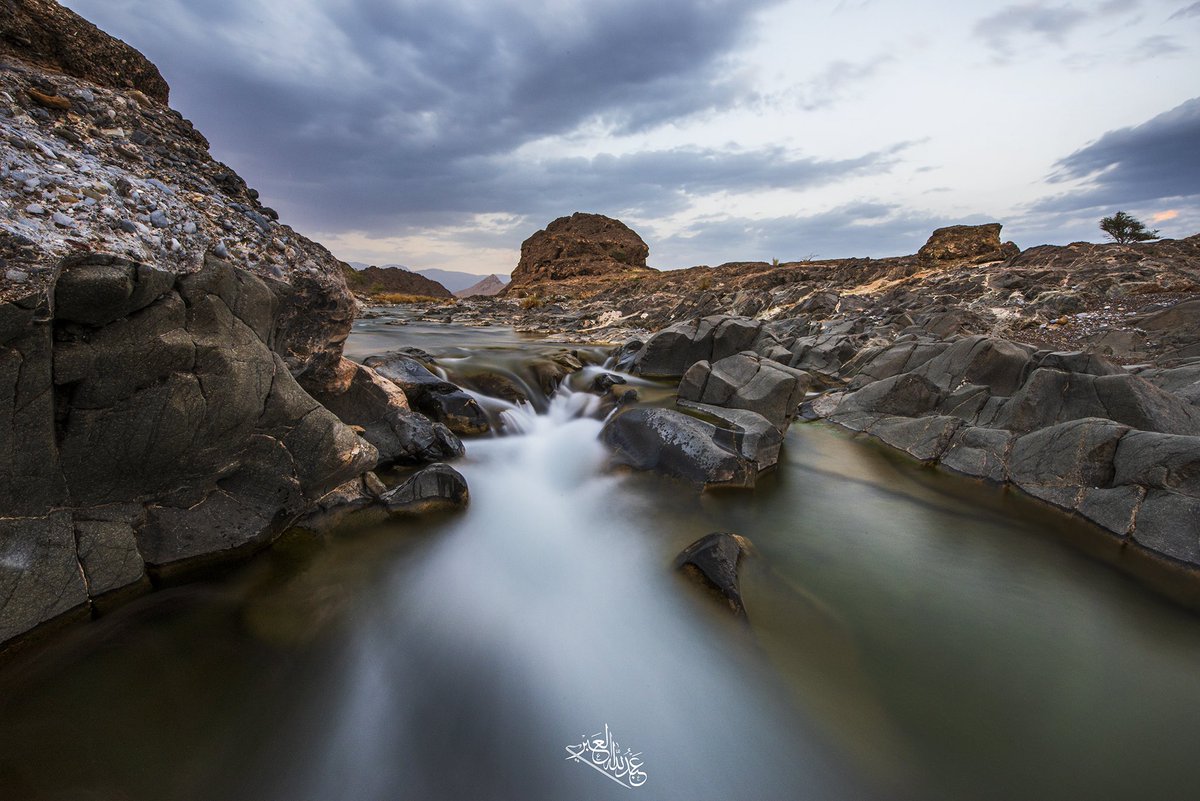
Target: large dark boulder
(677, 445)
(163, 421)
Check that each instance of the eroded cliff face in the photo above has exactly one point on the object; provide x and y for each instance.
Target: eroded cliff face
(160, 333)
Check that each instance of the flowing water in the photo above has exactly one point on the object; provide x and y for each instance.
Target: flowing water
(911, 635)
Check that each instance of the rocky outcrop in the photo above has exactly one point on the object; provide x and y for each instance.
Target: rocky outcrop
(975, 243)
(579, 245)
(1067, 428)
(44, 33)
(150, 428)
(162, 337)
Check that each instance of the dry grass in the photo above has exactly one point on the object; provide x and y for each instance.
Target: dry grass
(401, 297)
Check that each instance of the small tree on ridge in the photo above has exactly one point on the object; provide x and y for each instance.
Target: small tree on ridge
(1124, 228)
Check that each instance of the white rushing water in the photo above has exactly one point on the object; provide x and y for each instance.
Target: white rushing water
(536, 619)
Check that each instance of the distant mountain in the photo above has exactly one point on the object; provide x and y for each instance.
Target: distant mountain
(359, 265)
(379, 281)
(455, 280)
(488, 286)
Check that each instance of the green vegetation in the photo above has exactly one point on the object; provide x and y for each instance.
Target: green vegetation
(1124, 228)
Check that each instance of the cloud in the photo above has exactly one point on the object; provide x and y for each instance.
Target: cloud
(374, 108)
(1190, 11)
(1163, 216)
(1152, 161)
(1156, 47)
(862, 228)
(830, 84)
(1005, 30)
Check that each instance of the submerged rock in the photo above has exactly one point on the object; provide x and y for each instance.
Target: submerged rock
(436, 488)
(712, 562)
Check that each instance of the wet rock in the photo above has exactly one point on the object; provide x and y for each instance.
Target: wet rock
(40, 577)
(433, 396)
(712, 562)
(109, 555)
(606, 381)
(1053, 463)
(495, 385)
(675, 444)
(366, 399)
(754, 436)
(550, 370)
(436, 488)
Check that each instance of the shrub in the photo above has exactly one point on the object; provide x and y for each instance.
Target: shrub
(1124, 228)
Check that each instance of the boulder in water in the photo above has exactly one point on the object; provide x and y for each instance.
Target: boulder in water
(433, 396)
(674, 444)
(712, 562)
(436, 488)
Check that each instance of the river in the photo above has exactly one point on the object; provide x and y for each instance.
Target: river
(911, 634)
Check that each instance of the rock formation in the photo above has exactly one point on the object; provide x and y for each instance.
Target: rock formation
(162, 337)
(579, 245)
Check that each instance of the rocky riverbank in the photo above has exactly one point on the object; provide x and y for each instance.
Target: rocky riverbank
(171, 377)
(1071, 373)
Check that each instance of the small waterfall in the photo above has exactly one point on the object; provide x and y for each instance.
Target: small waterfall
(536, 618)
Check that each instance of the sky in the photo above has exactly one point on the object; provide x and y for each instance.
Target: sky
(442, 133)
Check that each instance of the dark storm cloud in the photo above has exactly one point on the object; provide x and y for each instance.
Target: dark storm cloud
(353, 117)
(863, 228)
(1158, 159)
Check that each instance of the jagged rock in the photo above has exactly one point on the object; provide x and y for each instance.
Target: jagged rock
(677, 445)
(40, 577)
(435, 397)
(579, 245)
(978, 243)
(436, 488)
(550, 370)
(712, 562)
(747, 381)
(981, 452)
